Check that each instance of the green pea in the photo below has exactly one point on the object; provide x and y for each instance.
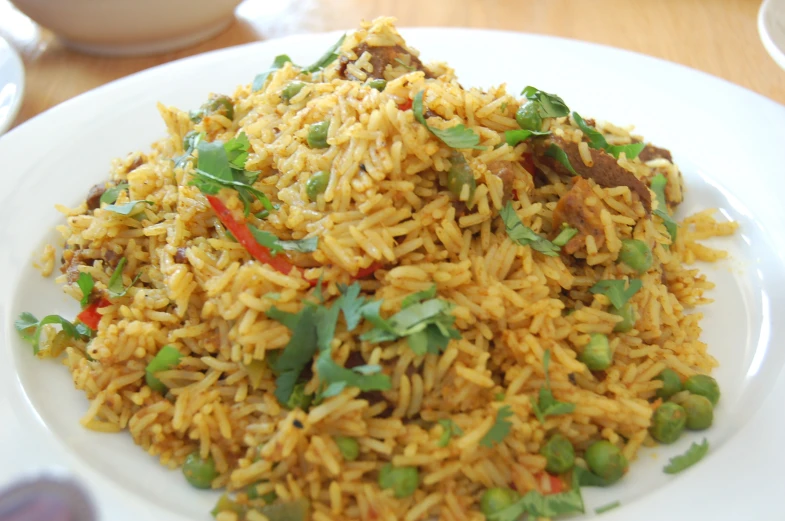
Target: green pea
(597, 354)
(378, 84)
(349, 447)
(199, 472)
(528, 116)
(700, 412)
(402, 480)
(671, 383)
(317, 184)
(627, 315)
(292, 89)
(494, 500)
(299, 399)
(459, 176)
(606, 460)
(636, 255)
(703, 385)
(668, 422)
(559, 454)
(317, 134)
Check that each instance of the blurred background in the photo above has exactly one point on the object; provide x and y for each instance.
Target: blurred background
(716, 36)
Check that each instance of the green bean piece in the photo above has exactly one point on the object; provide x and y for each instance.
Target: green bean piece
(317, 134)
(700, 412)
(459, 176)
(627, 315)
(671, 383)
(402, 480)
(494, 500)
(636, 255)
(317, 184)
(349, 447)
(606, 460)
(597, 354)
(703, 385)
(668, 422)
(292, 89)
(378, 84)
(528, 116)
(199, 472)
(559, 454)
(299, 399)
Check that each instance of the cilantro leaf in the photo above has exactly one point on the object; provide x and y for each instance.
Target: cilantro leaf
(331, 373)
(111, 194)
(609, 506)
(658, 183)
(190, 141)
(307, 245)
(551, 105)
(539, 505)
(30, 328)
(298, 352)
(125, 209)
(327, 58)
(414, 298)
(500, 429)
(561, 156)
(86, 284)
(24, 324)
(615, 290)
(237, 150)
(587, 478)
(513, 137)
(352, 305)
(546, 404)
(564, 236)
(115, 286)
(449, 429)
(261, 78)
(455, 137)
(525, 236)
(276, 245)
(694, 454)
(598, 141)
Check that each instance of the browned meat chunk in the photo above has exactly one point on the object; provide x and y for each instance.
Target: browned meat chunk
(94, 196)
(381, 57)
(111, 258)
(72, 259)
(180, 256)
(605, 171)
(572, 209)
(650, 152)
(503, 170)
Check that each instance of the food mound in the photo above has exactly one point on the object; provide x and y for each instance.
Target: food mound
(360, 290)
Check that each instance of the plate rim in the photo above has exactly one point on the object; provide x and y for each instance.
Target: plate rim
(16, 104)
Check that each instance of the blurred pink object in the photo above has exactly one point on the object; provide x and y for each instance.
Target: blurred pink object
(123, 27)
(45, 499)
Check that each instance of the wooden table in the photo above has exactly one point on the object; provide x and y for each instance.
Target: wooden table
(716, 36)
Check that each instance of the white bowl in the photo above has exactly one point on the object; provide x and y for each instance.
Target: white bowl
(127, 27)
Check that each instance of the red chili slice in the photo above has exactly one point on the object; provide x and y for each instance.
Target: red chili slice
(90, 315)
(406, 105)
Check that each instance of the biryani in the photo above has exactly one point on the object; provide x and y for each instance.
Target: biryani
(360, 290)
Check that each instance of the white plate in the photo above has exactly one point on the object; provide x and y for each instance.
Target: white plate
(771, 27)
(12, 84)
(57, 156)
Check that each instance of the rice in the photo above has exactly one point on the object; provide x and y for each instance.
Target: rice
(385, 216)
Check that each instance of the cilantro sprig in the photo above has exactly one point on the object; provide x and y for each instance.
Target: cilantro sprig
(694, 454)
(282, 59)
(115, 286)
(455, 137)
(30, 328)
(261, 78)
(555, 152)
(86, 285)
(449, 429)
(598, 141)
(617, 291)
(525, 236)
(536, 504)
(500, 429)
(658, 183)
(111, 194)
(126, 208)
(276, 245)
(549, 105)
(546, 405)
(513, 137)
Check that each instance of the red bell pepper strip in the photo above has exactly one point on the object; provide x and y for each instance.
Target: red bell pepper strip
(90, 315)
(245, 237)
(556, 484)
(406, 105)
(367, 272)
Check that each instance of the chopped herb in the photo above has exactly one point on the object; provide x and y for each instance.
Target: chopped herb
(525, 236)
(167, 358)
(503, 107)
(86, 284)
(125, 209)
(609, 506)
(541, 505)
(414, 298)
(615, 290)
(215, 170)
(455, 137)
(551, 105)
(261, 78)
(546, 404)
(30, 328)
(190, 140)
(115, 286)
(587, 478)
(300, 350)
(561, 156)
(694, 454)
(327, 58)
(499, 397)
(598, 141)
(352, 305)
(449, 429)
(111, 194)
(513, 137)
(366, 377)
(658, 184)
(272, 296)
(500, 429)
(276, 245)
(405, 65)
(564, 236)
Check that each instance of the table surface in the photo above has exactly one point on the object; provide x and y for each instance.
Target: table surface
(716, 36)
